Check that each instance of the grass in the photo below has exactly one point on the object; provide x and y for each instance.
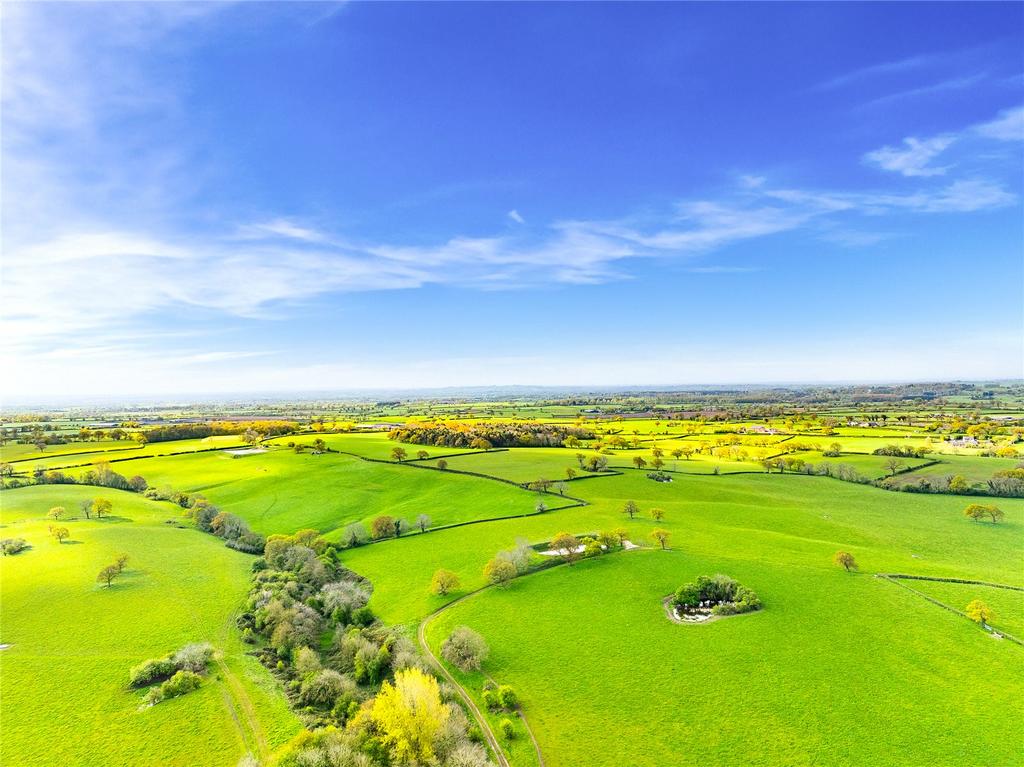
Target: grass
(975, 470)
(1007, 604)
(281, 491)
(837, 669)
(64, 699)
(89, 453)
(804, 519)
(376, 445)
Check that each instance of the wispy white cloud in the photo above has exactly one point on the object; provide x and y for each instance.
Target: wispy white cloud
(1007, 126)
(874, 70)
(942, 86)
(913, 158)
(514, 215)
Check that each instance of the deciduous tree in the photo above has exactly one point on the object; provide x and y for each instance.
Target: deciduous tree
(382, 526)
(443, 582)
(107, 574)
(499, 571)
(101, 506)
(567, 546)
(661, 536)
(979, 612)
(845, 560)
(631, 509)
(409, 716)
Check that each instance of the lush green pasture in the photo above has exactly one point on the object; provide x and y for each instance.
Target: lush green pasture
(375, 445)
(90, 453)
(521, 464)
(63, 697)
(975, 469)
(797, 518)
(871, 466)
(1007, 603)
(13, 451)
(837, 669)
(281, 491)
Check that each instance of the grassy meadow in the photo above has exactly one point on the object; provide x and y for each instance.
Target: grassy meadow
(70, 641)
(838, 668)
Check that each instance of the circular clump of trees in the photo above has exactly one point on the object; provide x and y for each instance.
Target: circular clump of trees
(713, 596)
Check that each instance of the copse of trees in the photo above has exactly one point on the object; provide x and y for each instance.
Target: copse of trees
(720, 594)
(178, 431)
(300, 594)
(233, 529)
(493, 433)
(904, 451)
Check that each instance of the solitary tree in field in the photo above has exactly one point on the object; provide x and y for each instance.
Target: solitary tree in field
(423, 522)
(979, 612)
(251, 436)
(639, 462)
(442, 464)
(398, 454)
(422, 455)
(499, 571)
(657, 452)
(443, 582)
(561, 487)
(657, 463)
(121, 562)
(893, 465)
(845, 560)
(570, 473)
(60, 533)
(657, 514)
(101, 506)
(540, 507)
(631, 509)
(86, 507)
(621, 533)
(567, 547)
(56, 512)
(661, 536)
(107, 575)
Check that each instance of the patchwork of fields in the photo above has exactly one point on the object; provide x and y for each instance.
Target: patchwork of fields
(837, 668)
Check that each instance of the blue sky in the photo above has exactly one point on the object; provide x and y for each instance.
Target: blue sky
(273, 197)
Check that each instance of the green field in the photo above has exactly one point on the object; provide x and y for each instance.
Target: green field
(72, 641)
(754, 689)
(280, 491)
(604, 677)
